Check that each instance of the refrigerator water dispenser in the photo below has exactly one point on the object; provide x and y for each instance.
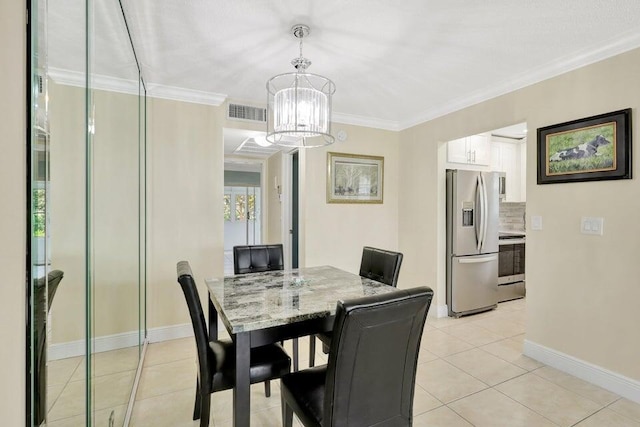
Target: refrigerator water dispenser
(467, 214)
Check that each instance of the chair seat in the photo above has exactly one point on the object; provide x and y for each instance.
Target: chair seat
(267, 362)
(305, 391)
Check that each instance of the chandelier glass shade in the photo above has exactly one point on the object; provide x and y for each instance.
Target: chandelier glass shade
(299, 105)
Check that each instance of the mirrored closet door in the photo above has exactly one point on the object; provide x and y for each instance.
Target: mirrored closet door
(88, 244)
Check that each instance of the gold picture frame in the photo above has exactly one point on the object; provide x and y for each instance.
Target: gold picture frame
(354, 178)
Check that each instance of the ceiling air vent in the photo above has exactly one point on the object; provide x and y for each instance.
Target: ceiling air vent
(246, 112)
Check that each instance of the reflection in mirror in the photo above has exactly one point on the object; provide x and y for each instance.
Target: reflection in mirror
(87, 214)
(39, 190)
(114, 211)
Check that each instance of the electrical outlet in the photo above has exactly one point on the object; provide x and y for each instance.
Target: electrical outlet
(592, 225)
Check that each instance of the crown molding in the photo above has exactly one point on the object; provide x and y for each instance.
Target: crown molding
(352, 119)
(98, 81)
(67, 77)
(131, 87)
(188, 95)
(556, 68)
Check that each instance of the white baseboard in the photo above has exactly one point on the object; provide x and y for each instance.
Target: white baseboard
(614, 382)
(117, 341)
(442, 311)
(100, 344)
(66, 349)
(172, 332)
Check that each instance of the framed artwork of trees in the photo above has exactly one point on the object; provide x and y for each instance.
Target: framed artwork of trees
(354, 178)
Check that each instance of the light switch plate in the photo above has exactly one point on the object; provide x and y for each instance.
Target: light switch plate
(592, 225)
(536, 222)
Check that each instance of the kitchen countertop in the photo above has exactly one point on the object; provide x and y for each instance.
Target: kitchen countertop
(511, 237)
(511, 233)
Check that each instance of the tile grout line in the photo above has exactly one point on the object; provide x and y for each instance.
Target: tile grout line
(65, 385)
(573, 391)
(522, 404)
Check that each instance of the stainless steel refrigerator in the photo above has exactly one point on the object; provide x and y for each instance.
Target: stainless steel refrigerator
(472, 241)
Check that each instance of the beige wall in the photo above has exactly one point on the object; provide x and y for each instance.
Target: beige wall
(186, 180)
(12, 211)
(115, 224)
(335, 233)
(67, 210)
(582, 291)
(114, 235)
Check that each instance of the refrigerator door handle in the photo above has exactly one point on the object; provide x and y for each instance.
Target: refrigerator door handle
(485, 211)
(479, 213)
(476, 259)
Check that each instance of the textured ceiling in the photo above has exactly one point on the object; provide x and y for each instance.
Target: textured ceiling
(394, 63)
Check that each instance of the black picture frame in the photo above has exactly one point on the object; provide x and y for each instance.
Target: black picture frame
(591, 149)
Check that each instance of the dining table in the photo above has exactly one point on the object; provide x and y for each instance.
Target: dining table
(263, 308)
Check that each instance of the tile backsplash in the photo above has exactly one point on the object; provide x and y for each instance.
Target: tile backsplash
(512, 216)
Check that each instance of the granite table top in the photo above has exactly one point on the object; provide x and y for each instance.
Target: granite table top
(247, 302)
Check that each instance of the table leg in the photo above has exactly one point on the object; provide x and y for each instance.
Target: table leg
(241, 392)
(213, 321)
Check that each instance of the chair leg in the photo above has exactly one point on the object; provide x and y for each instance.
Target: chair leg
(287, 414)
(312, 351)
(206, 409)
(267, 388)
(295, 355)
(197, 407)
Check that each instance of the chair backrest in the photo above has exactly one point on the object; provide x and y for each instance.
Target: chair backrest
(42, 287)
(257, 258)
(373, 358)
(380, 265)
(55, 277)
(188, 285)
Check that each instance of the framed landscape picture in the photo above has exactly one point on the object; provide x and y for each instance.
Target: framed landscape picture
(354, 178)
(590, 149)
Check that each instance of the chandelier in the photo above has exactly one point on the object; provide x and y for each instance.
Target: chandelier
(299, 104)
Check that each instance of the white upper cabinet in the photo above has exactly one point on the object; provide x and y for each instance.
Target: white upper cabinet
(457, 151)
(480, 147)
(475, 150)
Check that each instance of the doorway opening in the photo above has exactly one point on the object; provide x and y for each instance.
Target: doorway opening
(500, 150)
(242, 208)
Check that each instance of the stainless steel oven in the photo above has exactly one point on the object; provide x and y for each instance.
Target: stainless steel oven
(511, 274)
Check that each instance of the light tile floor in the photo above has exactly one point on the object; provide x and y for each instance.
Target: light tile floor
(113, 377)
(471, 372)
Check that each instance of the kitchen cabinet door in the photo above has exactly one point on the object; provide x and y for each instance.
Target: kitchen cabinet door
(480, 148)
(474, 150)
(457, 151)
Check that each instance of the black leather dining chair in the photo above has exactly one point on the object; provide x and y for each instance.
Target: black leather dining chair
(362, 385)
(377, 264)
(216, 359)
(258, 259)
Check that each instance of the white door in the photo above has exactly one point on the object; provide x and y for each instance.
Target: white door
(242, 224)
